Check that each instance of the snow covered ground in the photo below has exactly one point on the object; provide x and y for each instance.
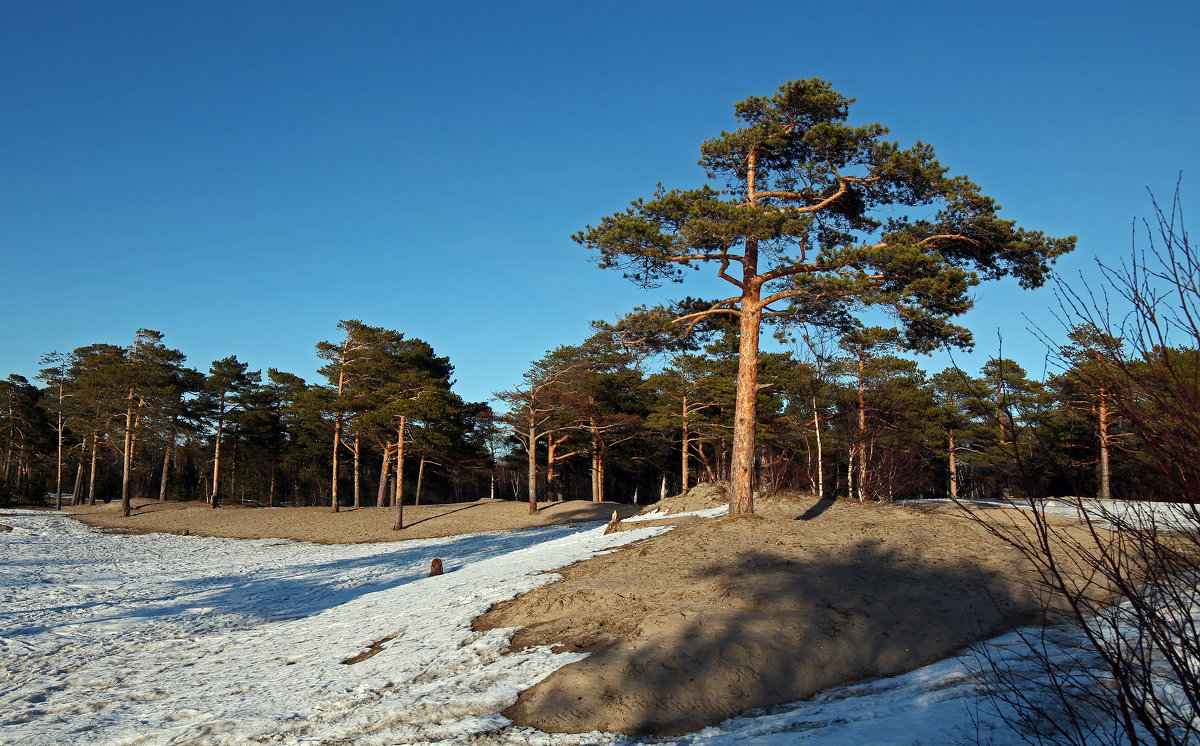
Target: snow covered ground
(162, 639)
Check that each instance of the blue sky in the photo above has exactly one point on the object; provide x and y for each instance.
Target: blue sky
(240, 176)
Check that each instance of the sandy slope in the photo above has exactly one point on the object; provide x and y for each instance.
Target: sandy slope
(722, 615)
(716, 617)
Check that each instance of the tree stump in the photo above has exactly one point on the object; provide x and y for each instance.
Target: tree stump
(612, 525)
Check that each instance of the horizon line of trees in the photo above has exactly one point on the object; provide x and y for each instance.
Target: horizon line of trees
(633, 413)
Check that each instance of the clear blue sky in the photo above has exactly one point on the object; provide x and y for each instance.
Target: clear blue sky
(240, 176)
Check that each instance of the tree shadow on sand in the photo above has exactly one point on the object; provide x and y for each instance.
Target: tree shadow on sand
(774, 630)
(817, 508)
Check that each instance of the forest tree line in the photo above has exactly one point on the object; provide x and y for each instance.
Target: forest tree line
(629, 414)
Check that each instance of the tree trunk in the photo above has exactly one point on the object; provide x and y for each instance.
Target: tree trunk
(708, 467)
(850, 473)
(683, 468)
(953, 468)
(79, 473)
(532, 469)
(1105, 493)
(398, 501)
(862, 431)
(168, 453)
(58, 465)
(746, 404)
(271, 487)
(820, 455)
(385, 472)
(596, 496)
(92, 471)
(662, 490)
(356, 471)
(337, 424)
(420, 479)
(233, 491)
(337, 447)
(600, 469)
(127, 465)
(214, 500)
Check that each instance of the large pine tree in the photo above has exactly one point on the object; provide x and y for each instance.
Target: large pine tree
(810, 218)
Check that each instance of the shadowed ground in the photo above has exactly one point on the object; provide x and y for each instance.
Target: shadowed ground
(723, 615)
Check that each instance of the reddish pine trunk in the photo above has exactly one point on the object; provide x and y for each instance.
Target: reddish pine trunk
(420, 479)
(683, 471)
(741, 499)
(385, 470)
(214, 500)
(127, 466)
(551, 448)
(167, 454)
(337, 444)
(1105, 492)
(953, 468)
(533, 509)
(58, 466)
(79, 474)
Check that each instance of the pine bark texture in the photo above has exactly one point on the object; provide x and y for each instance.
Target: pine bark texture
(398, 523)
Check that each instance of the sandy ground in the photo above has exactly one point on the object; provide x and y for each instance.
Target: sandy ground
(723, 615)
(348, 525)
(711, 619)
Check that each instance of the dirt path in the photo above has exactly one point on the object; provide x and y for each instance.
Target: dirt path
(722, 615)
(349, 525)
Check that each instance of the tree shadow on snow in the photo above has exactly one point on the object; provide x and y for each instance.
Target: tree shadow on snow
(281, 593)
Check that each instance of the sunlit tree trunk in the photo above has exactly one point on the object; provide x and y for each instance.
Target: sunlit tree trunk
(337, 447)
(127, 459)
(850, 473)
(92, 471)
(953, 467)
(214, 500)
(596, 496)
(532, 468)
(683, 467)
(385, 471)
(169, 453)
(337, 425)
(75, 496)
(820, 454)
(398, 501)
(862, 431)
(58, 463)
(420, 479)
(746, 402)
(233, 471)
(1102, 412)
(356, 471)
(551, 449)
